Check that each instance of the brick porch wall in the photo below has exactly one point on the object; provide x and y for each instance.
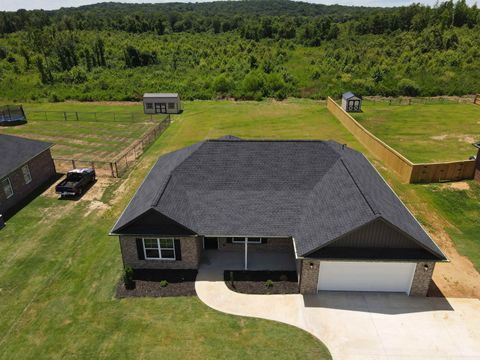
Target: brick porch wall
(191, 249)
(272, 245)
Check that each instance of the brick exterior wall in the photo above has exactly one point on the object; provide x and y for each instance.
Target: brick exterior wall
(308, 276)
(272, 245)
(421, 279)
(191, 249)
(42, 169)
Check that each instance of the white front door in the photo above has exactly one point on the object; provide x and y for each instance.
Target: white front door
(365, 276)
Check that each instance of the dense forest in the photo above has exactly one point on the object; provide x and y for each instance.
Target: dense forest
(239, 49)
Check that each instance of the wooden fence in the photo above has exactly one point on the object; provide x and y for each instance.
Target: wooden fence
(119, 165)
(408, 171)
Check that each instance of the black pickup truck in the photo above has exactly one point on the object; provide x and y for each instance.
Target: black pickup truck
(76, 182)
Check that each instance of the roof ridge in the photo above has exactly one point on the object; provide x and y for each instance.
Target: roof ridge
(266, 140)
(161, 191)
(374, 211)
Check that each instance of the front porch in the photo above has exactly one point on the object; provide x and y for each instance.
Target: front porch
(255, 261)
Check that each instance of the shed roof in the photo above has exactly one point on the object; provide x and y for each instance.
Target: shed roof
(160, 95)
(16, 151)
(349, 95)
(314, 191)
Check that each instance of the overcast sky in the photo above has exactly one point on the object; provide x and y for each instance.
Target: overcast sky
(12, 5)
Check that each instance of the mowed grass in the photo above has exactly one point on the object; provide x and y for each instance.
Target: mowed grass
(97, 136)
(425, 132)
(59, 268)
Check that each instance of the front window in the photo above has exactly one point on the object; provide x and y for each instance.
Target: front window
(26, 174)
(7, 188)
(159, 249)
(251, 240)
(149, 105)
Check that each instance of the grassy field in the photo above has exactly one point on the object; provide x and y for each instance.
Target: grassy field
(425, 132)
(58, 267)
(85, 139)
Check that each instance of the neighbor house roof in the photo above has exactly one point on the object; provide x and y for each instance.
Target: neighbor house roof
(16, 151)
(314, 191)
(349, 95)
(160, 95)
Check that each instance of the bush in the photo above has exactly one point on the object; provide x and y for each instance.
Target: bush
(269, 284)
(408, 87)
(163, 283)
(128, 278)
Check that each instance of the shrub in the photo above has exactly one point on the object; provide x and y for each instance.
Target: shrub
(163, 283)
(128, 278)
(269, 284)
(408, 87)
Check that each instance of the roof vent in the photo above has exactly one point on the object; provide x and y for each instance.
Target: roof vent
(344, 146)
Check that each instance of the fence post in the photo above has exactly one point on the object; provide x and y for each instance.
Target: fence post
(95, 116)
(114, 117)
(46, 116)
(116, 169)
(92, 163)
(73, 163)
(76, 115)
(111, 169)
(65, 115)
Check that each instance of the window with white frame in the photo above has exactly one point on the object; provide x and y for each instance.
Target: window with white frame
(251, 240)
(163, 249)
(149, 105)
(26, 174)
(7, 187)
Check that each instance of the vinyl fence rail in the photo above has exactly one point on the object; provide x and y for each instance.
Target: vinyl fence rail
(120, 164)
(408, 172)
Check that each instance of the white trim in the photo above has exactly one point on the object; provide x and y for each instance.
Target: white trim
(159, 248)
(10, 186)
(248, 240)
(29, 180)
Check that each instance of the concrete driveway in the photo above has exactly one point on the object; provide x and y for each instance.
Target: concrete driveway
(360, 325)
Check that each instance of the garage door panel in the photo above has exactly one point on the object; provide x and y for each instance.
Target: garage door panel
(365, 276)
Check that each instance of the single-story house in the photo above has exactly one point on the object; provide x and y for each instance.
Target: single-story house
(351, 102)
(319, 201)
(25, 165)
(162, 103)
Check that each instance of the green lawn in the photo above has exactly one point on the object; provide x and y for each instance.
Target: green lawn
(425, 132)
(58, 267)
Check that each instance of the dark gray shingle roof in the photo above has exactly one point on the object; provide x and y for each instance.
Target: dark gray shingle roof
(16, 151)
(349, 95)
(315, 191)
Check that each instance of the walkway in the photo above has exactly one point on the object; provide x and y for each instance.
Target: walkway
(358, 325)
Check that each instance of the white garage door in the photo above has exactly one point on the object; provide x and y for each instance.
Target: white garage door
(365, 276)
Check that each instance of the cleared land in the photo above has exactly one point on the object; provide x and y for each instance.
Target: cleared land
(85, 139)
(59, 268)
(425, 132)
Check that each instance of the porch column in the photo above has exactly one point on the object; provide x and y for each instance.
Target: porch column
(246, 253)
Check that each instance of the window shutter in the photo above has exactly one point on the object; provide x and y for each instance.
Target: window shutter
(140, 253)
(264, 240)
(229, 240)
(178, 250)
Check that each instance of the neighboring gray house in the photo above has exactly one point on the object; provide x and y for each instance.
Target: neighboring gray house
(162, 103)
(25, 165)
(320, 202)
(351, 102)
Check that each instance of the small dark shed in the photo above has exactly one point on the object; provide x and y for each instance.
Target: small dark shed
(351, 102)
(477, 163)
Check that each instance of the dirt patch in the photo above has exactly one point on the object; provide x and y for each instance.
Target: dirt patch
(468, 139)
(262, 282)
(439, 137)
(458, 277)
(148, 284)
(458, 186)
